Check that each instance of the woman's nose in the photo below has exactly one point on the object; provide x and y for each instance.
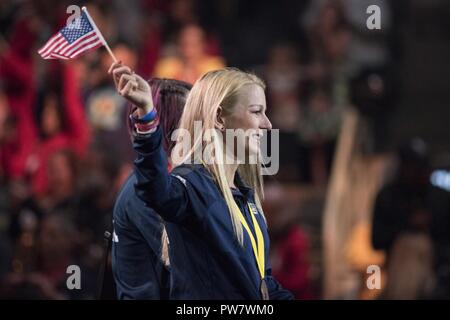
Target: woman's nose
(266, 123)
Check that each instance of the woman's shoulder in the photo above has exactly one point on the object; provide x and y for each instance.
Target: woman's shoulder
(186, 169)
(123, 198)
(192, 172)
(196, 177)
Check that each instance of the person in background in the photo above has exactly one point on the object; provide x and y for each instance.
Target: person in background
(402, 225)
(140, 258)
(192, 60)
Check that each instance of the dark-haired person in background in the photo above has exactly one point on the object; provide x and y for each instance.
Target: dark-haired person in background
(140, 245)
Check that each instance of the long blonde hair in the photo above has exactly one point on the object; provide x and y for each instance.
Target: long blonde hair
(216, 89)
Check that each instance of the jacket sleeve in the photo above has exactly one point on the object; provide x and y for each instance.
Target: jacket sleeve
(155, 186)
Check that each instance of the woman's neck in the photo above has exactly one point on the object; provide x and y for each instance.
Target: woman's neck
(230, 172)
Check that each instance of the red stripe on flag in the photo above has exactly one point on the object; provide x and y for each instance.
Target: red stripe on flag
(57, 56)
(49, 50)
(49, 42)
(61, 46)
(94, 45)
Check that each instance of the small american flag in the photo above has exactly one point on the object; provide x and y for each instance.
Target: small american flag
(76, 38)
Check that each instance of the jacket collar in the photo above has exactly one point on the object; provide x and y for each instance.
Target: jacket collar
(242, 189)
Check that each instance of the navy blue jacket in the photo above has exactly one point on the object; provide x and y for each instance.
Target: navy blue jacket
(207, 262)
(136, 249)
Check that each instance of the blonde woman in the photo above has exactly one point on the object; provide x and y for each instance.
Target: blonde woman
(219, 245)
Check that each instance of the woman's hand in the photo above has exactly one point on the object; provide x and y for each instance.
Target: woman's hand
(132, 87)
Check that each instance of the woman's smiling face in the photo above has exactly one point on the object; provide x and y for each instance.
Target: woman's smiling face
(249, 114)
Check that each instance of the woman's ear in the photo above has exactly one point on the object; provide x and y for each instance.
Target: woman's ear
(220, 121)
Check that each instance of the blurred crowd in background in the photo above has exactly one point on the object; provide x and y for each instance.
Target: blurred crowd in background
(65, 150)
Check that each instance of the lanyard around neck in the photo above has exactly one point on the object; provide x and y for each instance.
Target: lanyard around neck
(258, 245)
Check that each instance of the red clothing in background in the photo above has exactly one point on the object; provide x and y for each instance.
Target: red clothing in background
(292, 267)
(17, 75)
(74, 135)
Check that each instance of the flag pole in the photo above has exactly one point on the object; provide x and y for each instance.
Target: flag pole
(99, 34)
